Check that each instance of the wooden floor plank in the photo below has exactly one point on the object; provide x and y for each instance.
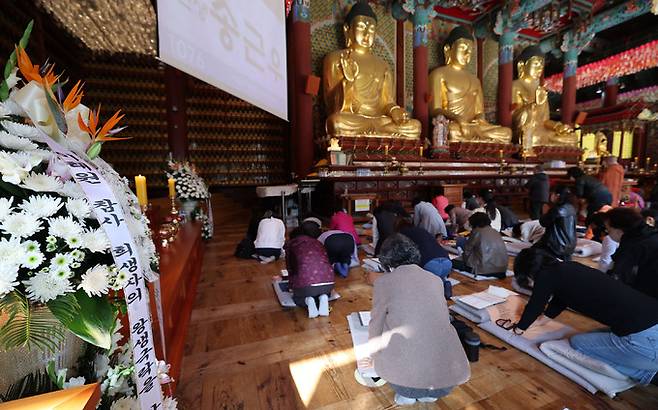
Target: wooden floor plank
(245, 352)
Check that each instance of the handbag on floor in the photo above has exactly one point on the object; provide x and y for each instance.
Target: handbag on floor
(245, 249)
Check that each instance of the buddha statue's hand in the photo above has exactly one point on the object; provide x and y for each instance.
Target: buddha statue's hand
(349, 66)
(561, 128)
(541, 96)
(399, 115)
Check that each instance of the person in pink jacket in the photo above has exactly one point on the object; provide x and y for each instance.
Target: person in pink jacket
(341, 221)
(440, 202)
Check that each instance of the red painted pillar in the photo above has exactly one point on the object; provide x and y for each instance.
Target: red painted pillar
(611, 91)
(399, 63)
(421, 75)
(480, 59)
(302, 103)
(569, 86)
(175, 90)
(505, 77)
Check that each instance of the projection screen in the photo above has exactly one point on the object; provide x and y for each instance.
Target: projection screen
(236, 45)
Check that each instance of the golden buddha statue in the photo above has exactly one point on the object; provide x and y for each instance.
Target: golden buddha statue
(457, 94)
(531, 115)
(358, 86)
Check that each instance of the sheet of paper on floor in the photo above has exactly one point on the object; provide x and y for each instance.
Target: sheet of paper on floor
(362, 351)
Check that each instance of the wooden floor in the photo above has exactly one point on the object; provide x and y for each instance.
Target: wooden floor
(244, 352)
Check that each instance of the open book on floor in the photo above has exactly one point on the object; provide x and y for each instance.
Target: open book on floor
(475, 307)
(362, 349)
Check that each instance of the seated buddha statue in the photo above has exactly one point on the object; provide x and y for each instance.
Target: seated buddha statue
(358, 85)
(531, 114)
(457, 94)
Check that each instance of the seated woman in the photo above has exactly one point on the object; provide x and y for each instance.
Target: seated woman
(560, 224)
(458, 217)
(385, 217)
(427, 217)
(440, 202)
(341, 250)
(270, 238)
(529, 231)
(488, 206)
(433, 258)
(485, 252)
(634, 262)
(629, 345)
(507, 217)
(341, 221)
(310, 274)
(417, 350)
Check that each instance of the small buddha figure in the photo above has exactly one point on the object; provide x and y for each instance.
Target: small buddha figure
(457, 94)
(531, 114)
(358, 86)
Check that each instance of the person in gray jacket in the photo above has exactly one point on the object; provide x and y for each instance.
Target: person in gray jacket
(416, 349)
(427, 217)
(485, 252)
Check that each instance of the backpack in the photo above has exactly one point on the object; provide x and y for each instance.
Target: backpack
(245, 249)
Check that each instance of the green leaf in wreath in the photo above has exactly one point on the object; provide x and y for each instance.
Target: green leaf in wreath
(92, 320)
(28, 325)
(11, 62)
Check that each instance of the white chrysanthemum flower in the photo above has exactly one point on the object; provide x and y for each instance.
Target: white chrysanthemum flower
(101, 365)
(126, 403)
(74, 382)
(26, 160)
(5, 207)
(64, 227)
(43, 154)
(74, 242)
(22, 130)
(72, 190)
(41, 206)
(77, 255)
(15, 143)
(13, 108)
(79, 208)
(95, 281)
(11, 251)
(95, 240)
(42, 183)
(21, 225)
(43, 287)
(11, 170)
(8, 275)
(33, 260)
(61, 261)
(31, 246)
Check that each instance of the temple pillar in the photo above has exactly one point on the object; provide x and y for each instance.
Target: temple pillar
(301, 119)
(505, 78)
(611, 91)
(569, 85)
(175, 90)
(421, 23)
(399, 63)
(480, 59)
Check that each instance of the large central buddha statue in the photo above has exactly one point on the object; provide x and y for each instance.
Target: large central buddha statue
(457, 94)
(358, 86)
(531, 114)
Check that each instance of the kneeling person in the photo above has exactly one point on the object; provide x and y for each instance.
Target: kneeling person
(485, 252)
(310, 274)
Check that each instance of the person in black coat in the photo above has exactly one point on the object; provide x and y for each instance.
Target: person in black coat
(507, 217)
(634, 262)
(387, 215)
(560, 224)
(538, 192)
(630, 343)
(591, 189)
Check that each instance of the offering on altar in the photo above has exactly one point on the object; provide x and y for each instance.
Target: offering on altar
(531, 115)
(358, 85)
(457, 94)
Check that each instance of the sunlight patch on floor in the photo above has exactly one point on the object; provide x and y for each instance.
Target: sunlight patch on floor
(307, 372)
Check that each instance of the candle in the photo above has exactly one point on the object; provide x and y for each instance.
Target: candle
(386, 149)
(172, 188)
(140, 189)
(500, 154)
(420, 150)
(648, 164)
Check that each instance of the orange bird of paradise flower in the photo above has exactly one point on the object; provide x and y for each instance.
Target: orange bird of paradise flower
(74, 97)
(104, 133)
(30, 71)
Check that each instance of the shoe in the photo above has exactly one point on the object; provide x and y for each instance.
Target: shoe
(404, 401)
(267, 260)
(312, 308)
(323, 309)
(427, 399)
(341, 269)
